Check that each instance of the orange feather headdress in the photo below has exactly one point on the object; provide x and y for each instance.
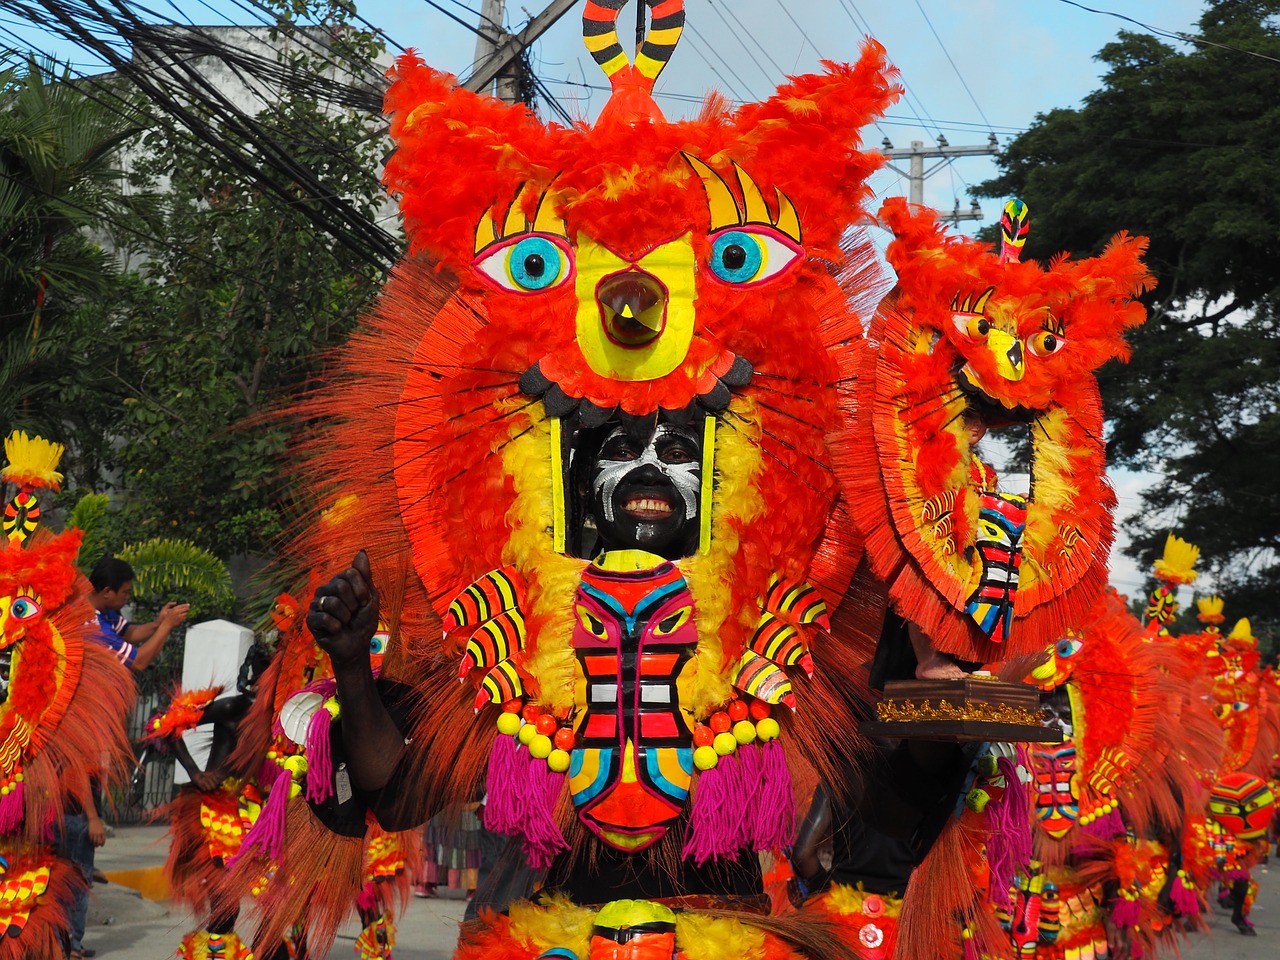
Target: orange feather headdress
(973, 336)
(631, 272)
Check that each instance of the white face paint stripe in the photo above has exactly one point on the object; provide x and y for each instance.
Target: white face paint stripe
(685, 477)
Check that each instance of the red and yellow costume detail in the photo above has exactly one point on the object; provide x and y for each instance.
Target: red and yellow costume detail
(298, 684)
(207, 829)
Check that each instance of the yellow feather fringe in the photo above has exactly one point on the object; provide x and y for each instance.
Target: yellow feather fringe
(705, 686)
(33, 461)
(718, 938)
(1055, 498)
(554, 923)
(553, 578)
(847, 900)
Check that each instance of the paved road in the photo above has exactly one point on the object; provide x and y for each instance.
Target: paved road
(124, 925)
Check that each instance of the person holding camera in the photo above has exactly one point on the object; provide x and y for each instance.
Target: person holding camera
(135, 644)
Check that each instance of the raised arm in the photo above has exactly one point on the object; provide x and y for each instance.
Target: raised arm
(150, 638)
(343, 619)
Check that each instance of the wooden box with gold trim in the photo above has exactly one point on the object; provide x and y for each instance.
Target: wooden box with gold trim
(973, 708)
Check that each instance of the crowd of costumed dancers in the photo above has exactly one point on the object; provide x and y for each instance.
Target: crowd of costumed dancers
(648, 506)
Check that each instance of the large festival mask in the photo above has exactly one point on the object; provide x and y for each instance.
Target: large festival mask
(623, 337)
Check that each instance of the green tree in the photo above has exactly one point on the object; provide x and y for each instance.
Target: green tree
(58, 180)
(229, 317)
(1180, 145)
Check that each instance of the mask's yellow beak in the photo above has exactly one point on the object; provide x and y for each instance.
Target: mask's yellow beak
(1045, 671)
(1007, 350)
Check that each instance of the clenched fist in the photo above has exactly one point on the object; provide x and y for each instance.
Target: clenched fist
(343, 616)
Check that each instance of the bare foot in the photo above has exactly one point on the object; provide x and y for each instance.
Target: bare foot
(938, 666)
(931, 664)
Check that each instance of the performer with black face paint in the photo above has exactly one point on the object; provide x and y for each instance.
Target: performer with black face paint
(599, 490)
(643, 488)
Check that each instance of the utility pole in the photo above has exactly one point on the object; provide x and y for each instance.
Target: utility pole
(490, 37)
(916, 174)
(497, 50)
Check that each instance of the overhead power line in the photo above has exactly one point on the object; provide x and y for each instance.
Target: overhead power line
(946, 53)
(1173, 34)
(164, 67)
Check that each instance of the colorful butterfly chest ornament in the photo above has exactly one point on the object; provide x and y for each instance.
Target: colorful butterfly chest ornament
(595, 401)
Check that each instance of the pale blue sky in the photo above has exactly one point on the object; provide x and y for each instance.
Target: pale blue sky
(991, 67)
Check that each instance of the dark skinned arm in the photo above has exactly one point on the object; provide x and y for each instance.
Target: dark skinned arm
(343, 619)
(815, 833)
(201, 779)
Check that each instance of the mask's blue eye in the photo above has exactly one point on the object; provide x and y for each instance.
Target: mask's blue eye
(529, 265)
(24, 608)
(1068, 647)
(378, 645)
(741, 256)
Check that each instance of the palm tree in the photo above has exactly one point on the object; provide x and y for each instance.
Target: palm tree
(59, 183)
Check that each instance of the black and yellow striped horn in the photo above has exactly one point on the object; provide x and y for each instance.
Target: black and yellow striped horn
(600, 34)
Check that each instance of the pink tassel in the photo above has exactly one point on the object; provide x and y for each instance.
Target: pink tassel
(773, 814)
(1126, 912)
(1185, 901)
(719, 822)
(12, 809)
(971, 947)
(1008, 829)
(543, 839)
(267, 833)
(319, 757)
(268, 771)
(503, 785)
(367, 899)
(703, 839)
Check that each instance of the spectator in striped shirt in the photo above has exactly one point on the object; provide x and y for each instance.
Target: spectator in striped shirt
(135, 644)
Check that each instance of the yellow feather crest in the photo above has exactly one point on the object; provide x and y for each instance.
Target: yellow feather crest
(1242, 631)
(1179, 560)
(33, 461)
(1210, 609)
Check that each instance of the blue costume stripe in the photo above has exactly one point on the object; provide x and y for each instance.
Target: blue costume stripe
(593, 789)
(683, 755)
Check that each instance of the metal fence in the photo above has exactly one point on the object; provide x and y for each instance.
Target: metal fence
(155, 687)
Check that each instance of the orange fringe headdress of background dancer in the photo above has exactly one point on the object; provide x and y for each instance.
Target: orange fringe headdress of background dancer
(970, 331)
(62, 716)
